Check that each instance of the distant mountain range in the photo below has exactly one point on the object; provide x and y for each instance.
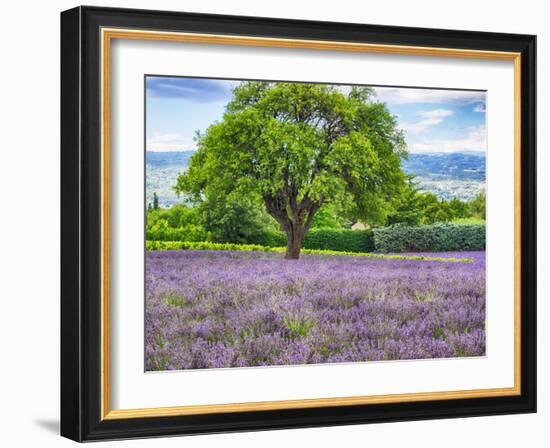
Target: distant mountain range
(168, 159)
(440, 165)
(448, 175)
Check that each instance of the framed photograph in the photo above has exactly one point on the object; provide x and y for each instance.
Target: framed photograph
(277, 224)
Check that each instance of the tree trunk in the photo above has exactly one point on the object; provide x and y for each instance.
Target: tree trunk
(295, 238)
(293, 248)
(295, 219)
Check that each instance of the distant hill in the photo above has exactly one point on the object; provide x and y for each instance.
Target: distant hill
(456, 165)
(448, 175)
(168, 159)
(162, 170)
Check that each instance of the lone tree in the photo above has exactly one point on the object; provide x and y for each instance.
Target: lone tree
(296, 147)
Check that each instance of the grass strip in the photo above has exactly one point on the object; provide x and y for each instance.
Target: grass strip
(206, 245)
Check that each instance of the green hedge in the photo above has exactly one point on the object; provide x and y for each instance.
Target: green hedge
(269, 238)
(344, 240)
(188, 233)
(207, 245)
(432, 238)
(398, 238)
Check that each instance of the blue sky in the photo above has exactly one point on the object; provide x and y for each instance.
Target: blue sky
(433, 120)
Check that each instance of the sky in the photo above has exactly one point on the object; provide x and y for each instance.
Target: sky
(433, 120)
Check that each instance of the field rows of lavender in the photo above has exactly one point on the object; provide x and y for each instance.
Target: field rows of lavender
(211, 309)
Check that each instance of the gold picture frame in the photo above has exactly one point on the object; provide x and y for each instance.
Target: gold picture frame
(517, 49)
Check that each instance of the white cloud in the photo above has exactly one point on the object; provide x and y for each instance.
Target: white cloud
(420, 126)
(169, 142)
(393, 95)
(475, 140)
(430, 118)
(437, 113)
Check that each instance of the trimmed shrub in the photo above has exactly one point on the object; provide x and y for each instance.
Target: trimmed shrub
(344, 240)
(269, 238)
(432, 238)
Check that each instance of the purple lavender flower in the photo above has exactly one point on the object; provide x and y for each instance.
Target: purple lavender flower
(212, 309)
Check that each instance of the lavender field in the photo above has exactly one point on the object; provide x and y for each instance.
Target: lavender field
(211, 309)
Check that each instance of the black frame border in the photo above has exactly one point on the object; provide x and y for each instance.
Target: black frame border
(81, 223)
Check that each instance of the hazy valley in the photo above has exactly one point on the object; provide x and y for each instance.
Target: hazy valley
(448, 175)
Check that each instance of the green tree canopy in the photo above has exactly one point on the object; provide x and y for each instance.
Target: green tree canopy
(298, 146)
(409, 209)
(478, 205)
(234, 218)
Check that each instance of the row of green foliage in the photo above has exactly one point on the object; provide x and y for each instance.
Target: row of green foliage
(207, 245)
(342, 240)
(436, 238)
(161, 232)
(181, 223)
